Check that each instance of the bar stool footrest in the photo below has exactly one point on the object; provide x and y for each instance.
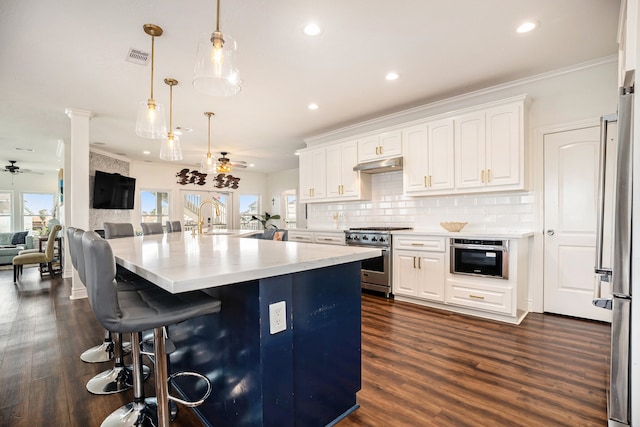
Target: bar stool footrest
(187, 403)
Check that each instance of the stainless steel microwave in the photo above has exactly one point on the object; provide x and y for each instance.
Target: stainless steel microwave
(486, 258)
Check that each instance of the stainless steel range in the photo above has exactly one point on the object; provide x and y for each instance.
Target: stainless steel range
(376, 272)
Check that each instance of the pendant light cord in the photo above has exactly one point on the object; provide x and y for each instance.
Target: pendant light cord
(152, 54)
(218, 17)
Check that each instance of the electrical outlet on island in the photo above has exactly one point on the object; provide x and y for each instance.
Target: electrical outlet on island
(277, 317)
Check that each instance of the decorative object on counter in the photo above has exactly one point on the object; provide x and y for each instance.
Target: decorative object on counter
(170, 148)
(216, 72)
(264, 219)
(151, 122)
(208, 164)
(226, 181)
(453, 226)
(185, 176)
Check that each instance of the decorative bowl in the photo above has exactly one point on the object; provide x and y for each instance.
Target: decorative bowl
(453, 226)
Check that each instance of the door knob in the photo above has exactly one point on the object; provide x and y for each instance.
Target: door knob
(550, 232)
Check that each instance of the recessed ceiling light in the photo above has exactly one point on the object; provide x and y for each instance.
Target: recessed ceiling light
(392, 76)
(312, 29)
(297, 153)
(252, 165)
(525, 27)
(313, 106)
(146, 153)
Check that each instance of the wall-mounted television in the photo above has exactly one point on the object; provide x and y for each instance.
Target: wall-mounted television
(113, 191)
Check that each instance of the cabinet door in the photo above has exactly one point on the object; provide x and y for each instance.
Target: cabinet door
(306, 177)
(440, 156)
(390, 144)
(503, 145)
(368, 148)
(404, 273)
(470, 150)
(415, 141)
(319, 173)
(334, 171)
(431, 276)
(350, 179)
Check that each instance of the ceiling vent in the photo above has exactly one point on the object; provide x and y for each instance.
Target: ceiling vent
(138, 57)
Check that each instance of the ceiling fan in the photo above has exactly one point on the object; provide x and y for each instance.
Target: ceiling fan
(225, 164)
(13, 169)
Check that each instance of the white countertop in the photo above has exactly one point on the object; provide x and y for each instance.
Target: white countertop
(467, 234)
(180, 262)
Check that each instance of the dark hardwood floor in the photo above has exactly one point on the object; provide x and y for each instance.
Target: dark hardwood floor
(420, 366)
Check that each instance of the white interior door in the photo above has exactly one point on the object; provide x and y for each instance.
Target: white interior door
(571, 190)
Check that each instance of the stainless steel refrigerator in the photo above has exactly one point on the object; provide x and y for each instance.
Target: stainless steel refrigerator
(614, 267)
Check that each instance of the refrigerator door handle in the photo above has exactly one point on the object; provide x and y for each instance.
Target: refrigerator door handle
(604, 121)
(606, 303)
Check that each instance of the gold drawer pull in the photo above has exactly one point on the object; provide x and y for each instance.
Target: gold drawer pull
(476, 296)
(417, 244)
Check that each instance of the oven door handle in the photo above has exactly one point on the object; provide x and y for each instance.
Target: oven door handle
(481, 247)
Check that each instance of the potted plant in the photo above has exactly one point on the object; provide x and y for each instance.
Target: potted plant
(264, 219)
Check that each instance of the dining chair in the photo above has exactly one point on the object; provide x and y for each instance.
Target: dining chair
(45, 257)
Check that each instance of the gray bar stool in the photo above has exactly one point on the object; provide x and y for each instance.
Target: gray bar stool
(151, 228)
(133, 312)
(173, 226)
(104, 351)
(120, 377)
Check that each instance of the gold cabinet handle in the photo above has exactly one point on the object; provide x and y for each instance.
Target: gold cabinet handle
(425, 181)
(482, 176)
(414, 262)
(419, 263)
(381, 149)
(476, 296)
(429, 181)
(488, 175)
(377, 149)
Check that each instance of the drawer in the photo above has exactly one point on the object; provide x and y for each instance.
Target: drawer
(330, 238)
(480, 295)
(419, 243)
(300, 236)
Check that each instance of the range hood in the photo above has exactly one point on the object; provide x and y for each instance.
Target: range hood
(378, 166)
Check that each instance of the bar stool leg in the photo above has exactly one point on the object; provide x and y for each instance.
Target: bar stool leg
(99, 353)
(141, 412)
(161, 374)
(117, 379)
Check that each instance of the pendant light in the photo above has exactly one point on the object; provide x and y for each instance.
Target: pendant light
(208, 164)
(151, 121)
(170, 148)
(216, 72)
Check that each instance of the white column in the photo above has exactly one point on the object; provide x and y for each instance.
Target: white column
(77, 183)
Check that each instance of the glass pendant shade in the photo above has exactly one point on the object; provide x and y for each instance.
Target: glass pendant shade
(170, 149)
(208, 164)
(216, 72)
(151, 121)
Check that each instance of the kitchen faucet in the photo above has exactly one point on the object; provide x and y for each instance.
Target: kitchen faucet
(213, 203)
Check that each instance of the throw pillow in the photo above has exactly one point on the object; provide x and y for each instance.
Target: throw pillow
(278, 235)
(268, 234)
(18, 238)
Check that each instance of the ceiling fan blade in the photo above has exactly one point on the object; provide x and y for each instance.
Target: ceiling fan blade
(239, 164)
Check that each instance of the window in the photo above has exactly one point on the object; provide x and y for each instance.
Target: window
(5, 212)
(191, 201)
(37, 210)
(249, 205)
(289, 207)
(154, 206)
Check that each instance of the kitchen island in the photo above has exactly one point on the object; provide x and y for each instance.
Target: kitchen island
(309, 373)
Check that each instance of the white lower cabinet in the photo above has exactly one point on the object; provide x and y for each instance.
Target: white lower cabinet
(419, 267)
(422, 275)
(323, 237)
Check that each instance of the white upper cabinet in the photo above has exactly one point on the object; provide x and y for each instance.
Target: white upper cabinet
(428, 158)
(313, 178)
(489, 149)
(342, 181)
(380, 146)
